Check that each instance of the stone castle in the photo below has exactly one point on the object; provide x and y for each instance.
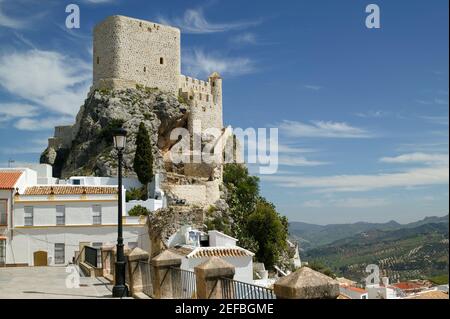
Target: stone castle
(128, 53)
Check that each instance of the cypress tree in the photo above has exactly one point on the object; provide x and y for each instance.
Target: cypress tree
(143, 158)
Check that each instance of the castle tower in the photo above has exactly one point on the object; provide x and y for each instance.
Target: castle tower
(215, 81)
(130, 51)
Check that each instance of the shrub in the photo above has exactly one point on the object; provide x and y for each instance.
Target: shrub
(139, 211)
(136, 194)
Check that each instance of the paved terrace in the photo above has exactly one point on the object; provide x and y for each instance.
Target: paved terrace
(48, 283)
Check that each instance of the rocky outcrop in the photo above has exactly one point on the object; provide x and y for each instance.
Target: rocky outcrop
(91, 151)
(165, 222)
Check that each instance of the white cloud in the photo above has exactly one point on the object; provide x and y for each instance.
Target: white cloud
(312, 87)
(347, 203)
(288, 160)
(33, 124)
(425, 158)
(194, 21)
(289, 149)
(14, 110)
(438, 175)
(9, 22)
(440, 120)
(47, 78)
(372, 114)
(322, 129)
(244, 38)
(201, 64)
(33, 146)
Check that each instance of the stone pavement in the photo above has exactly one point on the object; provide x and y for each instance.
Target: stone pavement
(49, 283)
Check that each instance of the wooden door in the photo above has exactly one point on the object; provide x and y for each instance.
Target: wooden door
(40, 258)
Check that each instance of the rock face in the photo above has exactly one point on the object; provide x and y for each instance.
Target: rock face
(165, 222)
(91, 151)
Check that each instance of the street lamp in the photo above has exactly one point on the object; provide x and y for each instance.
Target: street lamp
(120, 289)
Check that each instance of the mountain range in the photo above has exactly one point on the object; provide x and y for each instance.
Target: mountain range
(418, 250)
(311, 235)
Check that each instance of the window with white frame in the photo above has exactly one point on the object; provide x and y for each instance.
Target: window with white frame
(28, 216)
(60, 215)
(96, 215)
(60, 254)
(3, 212)
(2, 252)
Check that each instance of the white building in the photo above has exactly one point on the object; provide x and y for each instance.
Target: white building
(47, 224)
(197, 247)
(384, 291)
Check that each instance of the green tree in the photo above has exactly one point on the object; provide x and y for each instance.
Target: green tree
(267, 228)
(243, 194)
(138, 210)
(143, 158)
(318, 266)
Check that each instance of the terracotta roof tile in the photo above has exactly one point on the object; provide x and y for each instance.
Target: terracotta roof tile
(219, 252)
(431, 295)
(70, 190)
(8, 179)
(407, 285)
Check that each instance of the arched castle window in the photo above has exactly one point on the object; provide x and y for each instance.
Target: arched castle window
(214, 84)
(161, 60)
(98, 60)
(145, 69)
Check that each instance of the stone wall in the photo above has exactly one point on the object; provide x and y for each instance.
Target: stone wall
(128, 50)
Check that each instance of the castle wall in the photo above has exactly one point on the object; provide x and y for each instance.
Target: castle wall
(205, 98)
(129, 51)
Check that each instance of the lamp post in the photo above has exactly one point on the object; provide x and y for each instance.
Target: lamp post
(120, 289)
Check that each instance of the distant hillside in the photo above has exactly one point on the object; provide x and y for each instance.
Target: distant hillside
(311, 236)
(405, 253)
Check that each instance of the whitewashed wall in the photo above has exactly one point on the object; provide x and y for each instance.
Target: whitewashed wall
(25, 241)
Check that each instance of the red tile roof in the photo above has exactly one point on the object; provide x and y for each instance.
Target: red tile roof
(70, 190)
(219, 252)
(8, 179)
(407, 285)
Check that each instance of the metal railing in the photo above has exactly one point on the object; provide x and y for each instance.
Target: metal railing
(233, 289)
(147, 283)
(183, 284)
(91, 256)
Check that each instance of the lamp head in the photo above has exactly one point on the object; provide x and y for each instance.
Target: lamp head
(119, 137)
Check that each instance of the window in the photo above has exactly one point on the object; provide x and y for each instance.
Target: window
(2, 252)
(98, 60)
(60, 254)
(60, 215)
(161, 60)
(28, 217)
(145, 69)
(76, 182)
(3, 212)
(96, 215)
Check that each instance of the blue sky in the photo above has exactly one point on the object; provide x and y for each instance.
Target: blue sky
(362, 114)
